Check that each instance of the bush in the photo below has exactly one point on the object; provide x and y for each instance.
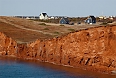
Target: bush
(42, 24)
(56, 32)
(46, 28)
(61, 25)
(71, 30)
(104, 23)
(109, 21)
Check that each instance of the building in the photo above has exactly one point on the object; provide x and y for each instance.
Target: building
(64, 21)
(90, 20)
(102, 17)
(111, 17)
(43, 16)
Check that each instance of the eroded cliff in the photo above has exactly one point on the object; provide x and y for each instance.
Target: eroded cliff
(93, 49)
(7, 45)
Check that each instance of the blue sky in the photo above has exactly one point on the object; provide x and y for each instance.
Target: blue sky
(72, 8)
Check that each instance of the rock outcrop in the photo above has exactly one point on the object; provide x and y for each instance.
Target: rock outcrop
(92, 48)
(7, 45)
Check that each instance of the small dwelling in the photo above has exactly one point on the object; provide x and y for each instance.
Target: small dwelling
(64, 21)
(90, 20)
(43, 16)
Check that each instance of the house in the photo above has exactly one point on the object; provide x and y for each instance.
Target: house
(90, 20)
(102, 17)
(64, 21)
(43, 16)
(52, 17)
(111, 17)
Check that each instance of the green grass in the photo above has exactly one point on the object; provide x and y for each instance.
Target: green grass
(104, 23)
(46, 28)
(56, 32)
(42, 24)
(61, 25)
(72, 30)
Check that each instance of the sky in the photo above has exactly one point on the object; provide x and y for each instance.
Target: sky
(71, 8)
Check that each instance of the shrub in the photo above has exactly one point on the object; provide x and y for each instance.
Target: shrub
(104, 23)
(42, 24)
(46, 28)
(56, 32)
(109, 21)
(71, 30)
(61, 25)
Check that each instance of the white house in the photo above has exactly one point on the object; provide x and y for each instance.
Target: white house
(52, 17)
(102, 17)
(43, 16)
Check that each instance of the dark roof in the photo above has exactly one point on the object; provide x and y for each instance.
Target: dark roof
(66, 19)
(44, 14)
(92, 17)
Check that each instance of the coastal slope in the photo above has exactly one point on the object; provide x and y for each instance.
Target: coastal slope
(89, 47)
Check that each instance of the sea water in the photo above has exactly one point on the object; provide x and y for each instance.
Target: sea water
(17, 68)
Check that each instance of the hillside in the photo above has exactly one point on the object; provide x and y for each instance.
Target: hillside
(24, 31)
(90, 47)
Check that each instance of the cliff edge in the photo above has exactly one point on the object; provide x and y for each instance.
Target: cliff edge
(91, 48)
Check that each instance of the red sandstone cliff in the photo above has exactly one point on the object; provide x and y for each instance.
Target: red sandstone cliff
(7, 45)
(92, 48)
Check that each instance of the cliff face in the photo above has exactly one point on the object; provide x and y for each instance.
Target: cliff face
(7, 46)
(92, 48)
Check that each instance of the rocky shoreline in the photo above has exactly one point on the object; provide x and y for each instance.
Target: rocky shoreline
(92, 48)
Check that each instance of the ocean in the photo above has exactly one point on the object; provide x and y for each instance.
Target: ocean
(18, 68)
